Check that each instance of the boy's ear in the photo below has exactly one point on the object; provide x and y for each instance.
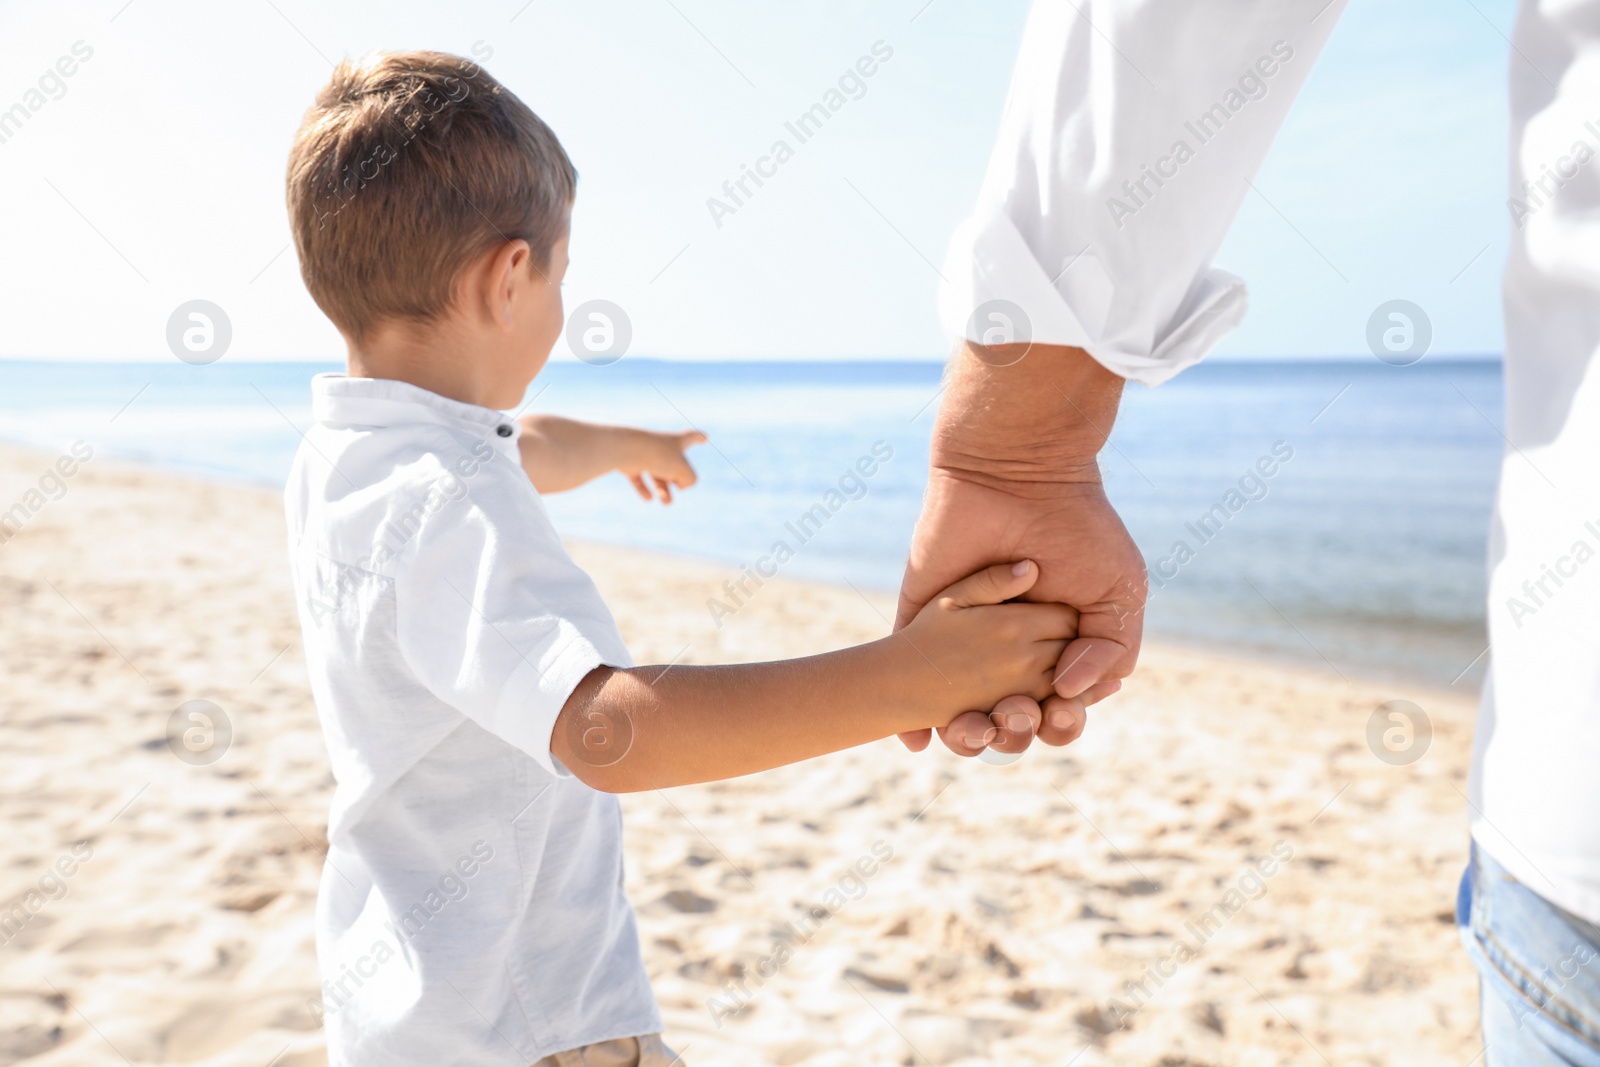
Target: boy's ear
(507, 262)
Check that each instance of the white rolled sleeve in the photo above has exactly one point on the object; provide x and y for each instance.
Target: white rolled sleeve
(495, 619)
(1129, 140)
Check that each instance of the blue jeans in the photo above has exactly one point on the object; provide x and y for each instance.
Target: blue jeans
(1538, 971)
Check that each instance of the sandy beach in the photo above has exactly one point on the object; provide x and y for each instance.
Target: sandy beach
(1219, 872)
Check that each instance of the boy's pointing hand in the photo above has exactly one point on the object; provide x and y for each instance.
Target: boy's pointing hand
(658, 461)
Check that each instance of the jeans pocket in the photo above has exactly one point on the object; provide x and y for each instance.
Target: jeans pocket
(1543, 962)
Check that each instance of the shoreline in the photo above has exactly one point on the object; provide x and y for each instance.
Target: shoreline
(1367, 671)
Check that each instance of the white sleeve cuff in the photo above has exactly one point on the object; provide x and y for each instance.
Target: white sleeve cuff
(534, 695)
(996, 291)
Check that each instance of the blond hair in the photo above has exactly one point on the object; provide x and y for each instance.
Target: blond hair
(407, 167)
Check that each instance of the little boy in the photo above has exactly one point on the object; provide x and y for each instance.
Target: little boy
(479, 705)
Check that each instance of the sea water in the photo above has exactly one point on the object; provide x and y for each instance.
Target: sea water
(1360, 552)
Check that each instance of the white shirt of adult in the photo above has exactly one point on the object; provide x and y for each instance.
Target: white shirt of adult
(1129, 140)
(471, 908)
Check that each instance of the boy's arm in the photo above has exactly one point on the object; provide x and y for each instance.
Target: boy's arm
(561, 454)
(650, 727)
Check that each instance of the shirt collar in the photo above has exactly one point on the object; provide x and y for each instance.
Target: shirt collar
(341, 401)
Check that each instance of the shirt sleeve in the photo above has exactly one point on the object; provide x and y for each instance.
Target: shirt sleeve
(1130, 138)
(493, 616)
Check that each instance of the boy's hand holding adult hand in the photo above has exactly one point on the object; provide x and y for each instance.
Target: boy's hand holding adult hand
(968, 647)
(1014, 475)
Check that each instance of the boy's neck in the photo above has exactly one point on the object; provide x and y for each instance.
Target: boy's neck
(433, 357)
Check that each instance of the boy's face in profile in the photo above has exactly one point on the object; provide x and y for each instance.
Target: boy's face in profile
(537, 318)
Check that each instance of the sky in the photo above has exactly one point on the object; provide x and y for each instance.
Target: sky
(155, 176)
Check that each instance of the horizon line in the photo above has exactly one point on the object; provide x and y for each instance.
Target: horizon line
(1234, 357)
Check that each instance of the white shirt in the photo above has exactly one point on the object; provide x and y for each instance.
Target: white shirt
(471, 907)
(1101, 229)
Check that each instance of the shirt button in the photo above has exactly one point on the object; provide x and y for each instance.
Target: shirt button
(504, 430)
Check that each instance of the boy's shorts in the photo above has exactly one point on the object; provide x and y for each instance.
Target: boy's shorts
(646, 1051)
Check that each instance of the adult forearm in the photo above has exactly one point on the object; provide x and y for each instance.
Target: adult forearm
(1018, 417)
(1015, 474)
(652, 727)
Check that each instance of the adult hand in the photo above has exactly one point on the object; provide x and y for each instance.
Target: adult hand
(1014, 476)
